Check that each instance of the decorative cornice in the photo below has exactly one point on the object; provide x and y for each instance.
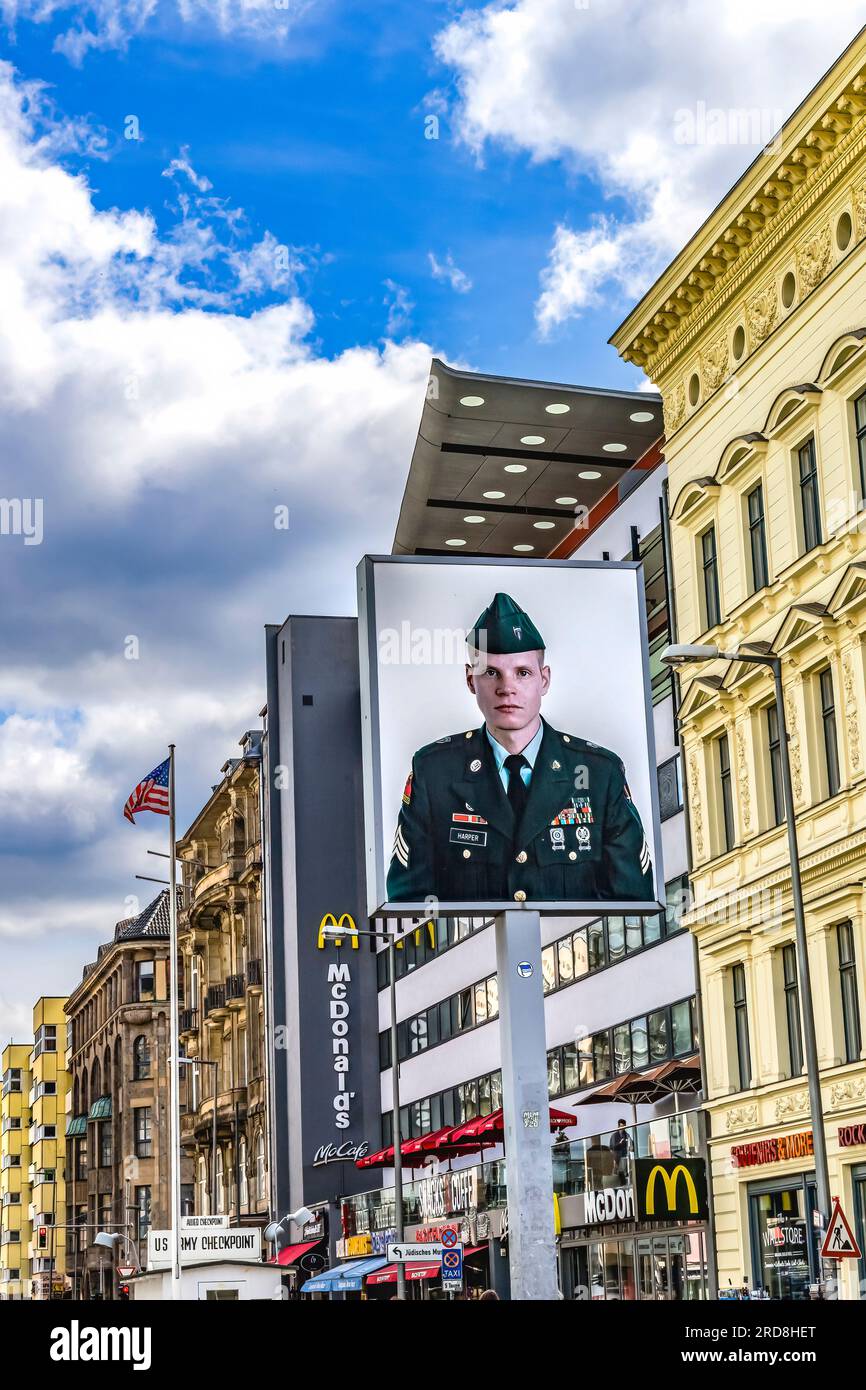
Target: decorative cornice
(660, 329)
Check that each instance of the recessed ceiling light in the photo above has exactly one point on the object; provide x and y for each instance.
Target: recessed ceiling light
(614, 448)
(515, 468)
(590, 474)
(471, 400)
(543, 525)
(523, 547)
(642, 417)
(565, 501)
(455, 541)
(494, 496)
(557, 408)
(532, 439)
(474, 520)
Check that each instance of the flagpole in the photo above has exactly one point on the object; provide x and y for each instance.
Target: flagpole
(174, 1062)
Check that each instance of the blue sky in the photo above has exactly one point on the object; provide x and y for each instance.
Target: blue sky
(236, 312)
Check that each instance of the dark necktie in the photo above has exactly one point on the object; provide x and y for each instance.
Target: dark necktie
(516, 790)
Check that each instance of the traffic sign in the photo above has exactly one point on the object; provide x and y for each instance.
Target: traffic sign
(452, 1269)
(126, 1271)
(450, 1238)
(839, 1242)
(400, 1254)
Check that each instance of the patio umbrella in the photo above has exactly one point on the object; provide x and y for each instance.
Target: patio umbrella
(490, 1128)
(682, 1077)
(634, 1087)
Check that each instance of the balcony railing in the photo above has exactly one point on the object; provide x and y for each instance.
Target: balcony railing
(215, 998)
(235, 987)
(188, 1020)
(254, 973)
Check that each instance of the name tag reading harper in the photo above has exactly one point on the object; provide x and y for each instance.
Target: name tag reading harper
(468, 837)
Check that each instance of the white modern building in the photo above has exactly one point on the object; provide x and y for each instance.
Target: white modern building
(620, 991)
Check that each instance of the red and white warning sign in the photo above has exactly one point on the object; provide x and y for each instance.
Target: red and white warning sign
(839, 1242)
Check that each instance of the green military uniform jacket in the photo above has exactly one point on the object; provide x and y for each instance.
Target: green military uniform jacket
(580, 837)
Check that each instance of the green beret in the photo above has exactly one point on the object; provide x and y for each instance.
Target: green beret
(504, 628)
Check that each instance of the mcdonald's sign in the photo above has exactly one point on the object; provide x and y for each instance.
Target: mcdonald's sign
(671, 1187)
(330, 920)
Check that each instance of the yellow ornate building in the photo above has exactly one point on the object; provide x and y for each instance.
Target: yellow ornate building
(222, 1019)
(33, 1159)
(756, 337)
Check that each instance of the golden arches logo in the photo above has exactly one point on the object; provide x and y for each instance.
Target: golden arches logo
(670, 1181)
(329, 920)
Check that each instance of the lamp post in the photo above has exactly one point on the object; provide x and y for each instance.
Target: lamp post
(336, 932)
(681, 655)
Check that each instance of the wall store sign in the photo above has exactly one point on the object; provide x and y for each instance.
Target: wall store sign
(451, 1192)
(851, 1135)
(780, 1149)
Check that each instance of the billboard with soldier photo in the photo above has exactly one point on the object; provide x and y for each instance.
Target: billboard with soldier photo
(508, 749)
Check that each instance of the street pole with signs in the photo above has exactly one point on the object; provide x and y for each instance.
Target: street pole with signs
(526, 1107)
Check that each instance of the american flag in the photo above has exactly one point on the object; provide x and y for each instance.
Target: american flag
(151, 794)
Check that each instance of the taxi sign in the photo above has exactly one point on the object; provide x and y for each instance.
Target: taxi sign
(452, 1269)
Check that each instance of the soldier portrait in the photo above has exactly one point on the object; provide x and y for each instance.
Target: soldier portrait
(511, 809)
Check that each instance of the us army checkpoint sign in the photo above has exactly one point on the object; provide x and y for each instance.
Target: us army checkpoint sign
(558, 679)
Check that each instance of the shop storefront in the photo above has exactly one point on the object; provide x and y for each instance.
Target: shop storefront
(633, 1233)
(782, 1215)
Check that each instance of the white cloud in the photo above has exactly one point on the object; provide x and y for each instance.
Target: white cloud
(446, 270)
(662, 104)
(181, 165)
(161, 437)
(400, 305)
(101, 25)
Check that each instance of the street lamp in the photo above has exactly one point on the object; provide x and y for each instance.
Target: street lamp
(681, 655)
(300, 1217)
(335, 931)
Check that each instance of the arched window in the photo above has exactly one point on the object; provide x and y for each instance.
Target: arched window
(244, 1195)
(261, 1171)
(95, 1088)
(118, 1063)
(107, 1074)
(220, 1185)
(140, 1058)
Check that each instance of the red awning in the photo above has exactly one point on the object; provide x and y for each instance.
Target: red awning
(388, 1275)
(290, 1253)
(491, 1128)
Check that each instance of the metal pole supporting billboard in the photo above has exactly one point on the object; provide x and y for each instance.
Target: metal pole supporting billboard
(525, 1104)
(395, 1097)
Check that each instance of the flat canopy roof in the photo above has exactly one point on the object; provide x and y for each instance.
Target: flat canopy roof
(517, 456)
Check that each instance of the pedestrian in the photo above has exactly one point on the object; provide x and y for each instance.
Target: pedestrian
(621, 1147)
(489, 1295)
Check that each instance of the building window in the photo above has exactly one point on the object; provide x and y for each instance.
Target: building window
(142, 1206)
(774, 749)
(741, 1027)
(244, 1191)
(712, 607)
(106, 1147)
(220, 1184)
(670, 788)
(203, 1196)
(145, 982)
(140, 1058)
(143, 1141)
(848, 985)
(187, 1199)
(792, 1008)
(261, 1172)
(810, 504)
(726, 791)
(860, 425)
(828, 722)
(757, 538)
